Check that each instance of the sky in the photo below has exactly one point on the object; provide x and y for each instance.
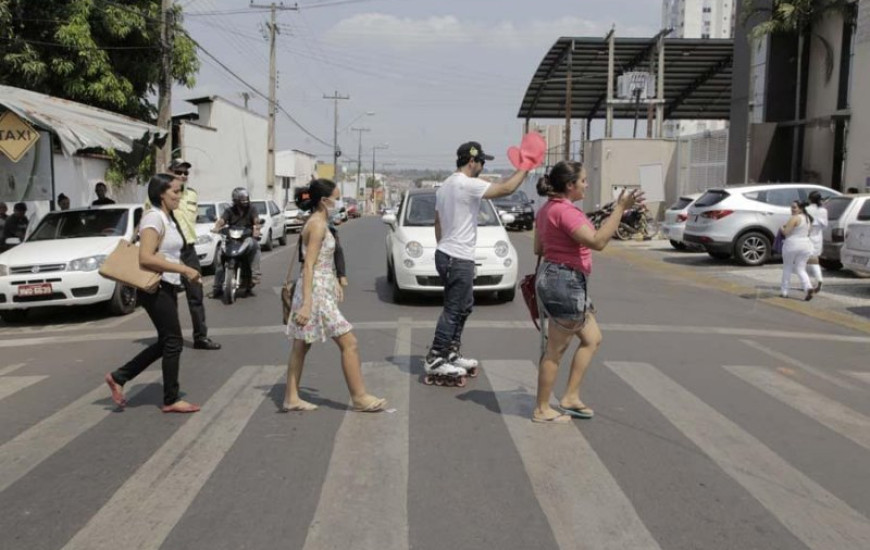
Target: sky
(435, 73)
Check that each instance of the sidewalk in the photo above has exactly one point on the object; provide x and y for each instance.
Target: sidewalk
(844, 299)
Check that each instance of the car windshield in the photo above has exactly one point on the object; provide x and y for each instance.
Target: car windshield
(519, 196)
(681, 203)
(79, 224)
(836, 206)
(260, 206)
(420, 212)
(206, 213)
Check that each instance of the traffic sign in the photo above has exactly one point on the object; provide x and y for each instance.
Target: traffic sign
(16, 136)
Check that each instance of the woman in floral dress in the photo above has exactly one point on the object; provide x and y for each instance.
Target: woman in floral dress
(314, 314)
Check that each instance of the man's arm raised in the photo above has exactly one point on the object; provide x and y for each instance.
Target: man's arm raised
(505, 188)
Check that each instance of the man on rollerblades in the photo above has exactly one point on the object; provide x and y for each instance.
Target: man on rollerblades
(457, 207)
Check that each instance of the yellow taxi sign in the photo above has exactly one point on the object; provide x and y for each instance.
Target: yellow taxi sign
(16, 136)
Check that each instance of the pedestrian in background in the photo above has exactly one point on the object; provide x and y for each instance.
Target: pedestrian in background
(314, 315)
(820, 221)
(15, 226)
(565, 238)
(797, 249)
(4, 215)
(185, 216)
(62, 202)
(100, 189)
(160, 244)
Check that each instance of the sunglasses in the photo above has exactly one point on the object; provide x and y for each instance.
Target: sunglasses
(181, 172)
(481, 161)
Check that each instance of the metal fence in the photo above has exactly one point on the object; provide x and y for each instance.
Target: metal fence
(701, 161)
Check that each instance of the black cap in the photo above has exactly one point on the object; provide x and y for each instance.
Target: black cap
(472, 150)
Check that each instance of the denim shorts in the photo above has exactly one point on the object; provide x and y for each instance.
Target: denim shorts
(562, 293)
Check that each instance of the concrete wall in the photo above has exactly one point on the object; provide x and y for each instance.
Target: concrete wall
(227, 148)
(857, 172)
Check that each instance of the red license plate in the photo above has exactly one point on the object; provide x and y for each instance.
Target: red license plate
(43, 289)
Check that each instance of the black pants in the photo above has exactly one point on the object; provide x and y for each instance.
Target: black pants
(162, 308)
(193, 291)
(457, 276)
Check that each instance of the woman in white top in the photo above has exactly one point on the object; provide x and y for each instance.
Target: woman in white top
(820, 221)
(796, 249)
(160, 244)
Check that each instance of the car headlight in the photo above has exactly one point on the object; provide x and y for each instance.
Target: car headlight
(91, 263)
(414, 249)
(4, 270)
(501, 249)
(203, 239)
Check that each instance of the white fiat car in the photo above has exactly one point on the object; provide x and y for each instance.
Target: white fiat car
(207, 243)
(411, 249)
(57, 263)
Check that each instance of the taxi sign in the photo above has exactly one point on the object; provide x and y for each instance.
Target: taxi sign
(16, 136)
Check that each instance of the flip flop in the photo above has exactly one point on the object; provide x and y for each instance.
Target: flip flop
(583, 412)
(374, 405)
(558, 419)
(117, 391)
(301, 406)
(182, 409)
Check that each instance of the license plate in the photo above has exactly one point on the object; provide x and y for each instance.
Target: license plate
(43, 289)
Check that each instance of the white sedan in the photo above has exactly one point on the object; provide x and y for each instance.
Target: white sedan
(411, 245)
(207, 243)
(675, 220)
(57, 264)
(855, 253)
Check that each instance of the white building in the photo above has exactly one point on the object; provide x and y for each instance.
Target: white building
(292, 169)
(697, 19)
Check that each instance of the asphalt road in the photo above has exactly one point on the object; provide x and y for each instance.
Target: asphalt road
(721, 422)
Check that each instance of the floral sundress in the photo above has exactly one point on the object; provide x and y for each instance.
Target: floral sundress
(326, 320)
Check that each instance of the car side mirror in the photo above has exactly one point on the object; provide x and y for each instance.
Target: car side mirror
(507, 219)
(389, 219)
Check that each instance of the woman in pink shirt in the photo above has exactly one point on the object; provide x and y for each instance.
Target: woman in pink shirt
(565, 238)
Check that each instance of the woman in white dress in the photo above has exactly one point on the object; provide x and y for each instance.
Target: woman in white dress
(820, 221)
(796, 249)
(314, 314)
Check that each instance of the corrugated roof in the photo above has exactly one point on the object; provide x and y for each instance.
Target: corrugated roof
(79, 126)
(697, 77)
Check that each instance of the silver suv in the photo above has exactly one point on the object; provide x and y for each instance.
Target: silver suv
(742, 220)
(842, 212)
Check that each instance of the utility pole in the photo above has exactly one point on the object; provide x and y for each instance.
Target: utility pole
(163, 154)
(273, 102)
(335, 152)
(360, 195)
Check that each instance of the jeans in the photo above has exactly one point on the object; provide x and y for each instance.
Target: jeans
(253, 256)
(193, 292)
(457, 276)
(162, 308)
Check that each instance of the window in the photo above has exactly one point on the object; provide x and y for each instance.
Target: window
(836, 207)
(206, 213)
(81, 224)
(712, 197)
(864, 213)
(420, 212)
(681, 203)
(782, 197)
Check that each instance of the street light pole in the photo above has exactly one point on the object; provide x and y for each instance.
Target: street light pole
(359, 160)
(335, 152)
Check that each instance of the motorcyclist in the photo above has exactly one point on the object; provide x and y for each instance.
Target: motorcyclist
(240, 214)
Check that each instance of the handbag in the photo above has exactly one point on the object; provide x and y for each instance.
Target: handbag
(527, 287)
(122, 265)
(777, 242)
(289, 287)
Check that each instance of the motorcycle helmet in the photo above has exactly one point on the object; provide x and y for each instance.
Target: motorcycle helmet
(241, 198)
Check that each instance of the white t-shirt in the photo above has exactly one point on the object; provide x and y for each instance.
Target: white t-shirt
(457, 202)
(172, 241)
(820, 221)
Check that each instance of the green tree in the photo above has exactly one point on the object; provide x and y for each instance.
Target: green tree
(372, 183)
(797, 17)
(100, 52)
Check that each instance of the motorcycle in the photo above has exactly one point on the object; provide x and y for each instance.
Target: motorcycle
(238, 241)
(634, 221)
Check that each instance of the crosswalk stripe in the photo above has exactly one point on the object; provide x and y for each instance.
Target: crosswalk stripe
(582, 501)
(13, 384)
(367, 477)
(11, 368)
(863, 376)
(811, 513)
(28, 449)
(826, 411)
(815, 371)
(148, 505)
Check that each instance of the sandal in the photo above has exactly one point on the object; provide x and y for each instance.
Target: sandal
(580, 412)
(301, 406)
(371, 404)
(180, 407)
(558, 419)
(117, 391)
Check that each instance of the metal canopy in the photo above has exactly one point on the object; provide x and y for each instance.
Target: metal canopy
(697, 78)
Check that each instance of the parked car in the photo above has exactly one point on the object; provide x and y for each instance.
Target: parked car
(520, 206)
(340, 215)
(410, 247)
(207, 243)
(272, 224)
(742, 220)
(855, 254)
(675, 220)
(352, 207)
(842, 213)
(57, 263)
(294, 218)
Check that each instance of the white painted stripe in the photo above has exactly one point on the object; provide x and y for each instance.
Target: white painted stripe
(13, 384)
(28, 449)
(364, 499)
(582, 501)
(815, 371)
(822, 409)
(811, 513)
(11, 368)
(863, 376)
(144, 510)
